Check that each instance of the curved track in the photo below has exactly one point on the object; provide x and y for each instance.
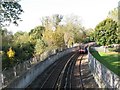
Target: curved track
(59, 74)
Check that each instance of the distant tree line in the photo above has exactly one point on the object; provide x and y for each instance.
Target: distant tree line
(21, 46)
(56, 31)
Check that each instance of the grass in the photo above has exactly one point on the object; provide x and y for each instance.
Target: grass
(110, 60)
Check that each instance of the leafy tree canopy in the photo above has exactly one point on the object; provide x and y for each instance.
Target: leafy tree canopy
(106, 32)
(10, 12)
(113, 14)
(51, 21)
(39, 47)
(36, 33)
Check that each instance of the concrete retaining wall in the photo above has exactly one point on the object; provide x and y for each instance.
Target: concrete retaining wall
(26, 78)
(103, 76)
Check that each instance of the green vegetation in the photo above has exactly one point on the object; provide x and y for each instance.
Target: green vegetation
(106, 32)
(21, 46)
(110, 60)
(113, 14)
(56, 31)
(10, 12)
(114, 49)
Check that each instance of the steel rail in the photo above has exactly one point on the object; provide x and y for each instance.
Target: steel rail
(65, 74)
(69, 73)
(60, 78)
(50, 75)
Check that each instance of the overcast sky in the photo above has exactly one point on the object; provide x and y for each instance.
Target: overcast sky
(91, 11)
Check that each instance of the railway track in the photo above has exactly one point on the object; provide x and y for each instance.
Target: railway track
(60, 74)
(64, 80)
(81, 83)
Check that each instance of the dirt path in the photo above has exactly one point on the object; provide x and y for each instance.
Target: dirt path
(87, 78)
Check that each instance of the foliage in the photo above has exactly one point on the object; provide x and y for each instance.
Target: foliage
(7, 39)
(58, 39)
(39, 47)
(90, 34)
(73, 30)
(91, 37)
(69, 38)
(56, 19)
(53, 38)
(106, 32)
(23, 46)
(24, 51)
(113, 14)
(46, 22)
(52, 34)
(47, 37)
(20, 43)
(10, 12)
(10, 53)
(21, 37)
(36, 33)
(50, 22)
(19, 33)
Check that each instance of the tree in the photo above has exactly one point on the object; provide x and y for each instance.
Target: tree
(90, 34)
(36, 33)
(53, 34)
(50, 22)
(47, 37)
(68, 38)
(10, 12)
(46, 22)
(113, 14)
(7, 38)
(58, 39)
(106, 32)
(21, 37)
(54, 38)
(56, 19)
(73, 29)
(39, 47)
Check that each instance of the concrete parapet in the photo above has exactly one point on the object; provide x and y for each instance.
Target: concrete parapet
(104, 77)
(15, 78)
